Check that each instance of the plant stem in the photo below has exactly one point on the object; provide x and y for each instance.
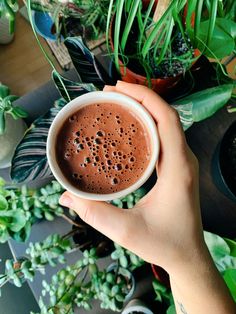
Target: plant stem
(71, 233)
(72, 222)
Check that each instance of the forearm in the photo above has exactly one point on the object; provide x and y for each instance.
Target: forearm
(198, 287)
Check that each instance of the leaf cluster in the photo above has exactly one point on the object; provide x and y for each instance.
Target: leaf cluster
(20, 207)
(207, 25)
(78, 284)
(130, 200)
(125, 258)
(7, 107)
(77, 17)
(48, 252)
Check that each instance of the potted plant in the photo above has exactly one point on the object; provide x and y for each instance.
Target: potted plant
(8, 9)
(224, 163)
(136, 306)
(12, 127)
(56, 20)
(77, 285)
(157, 44)
(21, 207)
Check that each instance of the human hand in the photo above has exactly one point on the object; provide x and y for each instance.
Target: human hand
(165, 226)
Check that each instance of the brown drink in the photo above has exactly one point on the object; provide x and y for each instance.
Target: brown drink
(103, 148)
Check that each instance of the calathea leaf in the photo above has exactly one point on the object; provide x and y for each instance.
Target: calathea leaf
(86, 64)
(30, 161)
(74, 89)
(4, 91)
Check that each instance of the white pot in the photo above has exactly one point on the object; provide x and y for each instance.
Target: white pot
(14, 132)
(136, 306)
(5, 36)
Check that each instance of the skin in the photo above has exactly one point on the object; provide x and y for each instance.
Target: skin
(165, 227)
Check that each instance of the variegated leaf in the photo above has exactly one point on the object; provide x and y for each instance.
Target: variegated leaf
(30, 161)
(86, 64)
(74, 89)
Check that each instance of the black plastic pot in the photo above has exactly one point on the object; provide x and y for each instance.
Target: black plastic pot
(89, 238)
(224, 164)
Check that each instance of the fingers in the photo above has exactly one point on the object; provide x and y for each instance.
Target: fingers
(106, 218)
(170, 130)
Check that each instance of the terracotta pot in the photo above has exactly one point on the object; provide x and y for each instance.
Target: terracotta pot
(160, 85)
(161, 275)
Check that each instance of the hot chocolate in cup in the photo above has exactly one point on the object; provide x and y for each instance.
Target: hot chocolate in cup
(102, 146)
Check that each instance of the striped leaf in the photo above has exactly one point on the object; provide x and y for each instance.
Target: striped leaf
(86, 64)
(74, 89)
(30, 161)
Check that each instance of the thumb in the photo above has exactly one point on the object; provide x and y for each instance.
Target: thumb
(113, 222)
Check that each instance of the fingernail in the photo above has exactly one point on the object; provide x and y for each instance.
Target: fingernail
(66, 201)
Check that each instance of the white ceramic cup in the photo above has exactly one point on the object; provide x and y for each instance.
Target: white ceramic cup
(94, 98)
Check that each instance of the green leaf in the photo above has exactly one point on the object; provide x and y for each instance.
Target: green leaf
(217, 246)
(232, 246)
(2, 182)
(17, 282)
(49, 216)
(221, 34)
(74, 89)
(171, 310)
(23, 234)
(206, 102)
(9, 266)
(123, 261)
(4, 91)
(2, 122)
(17, 112)
(30, 161)
(3, 203)
(18, 221)
(230, 279)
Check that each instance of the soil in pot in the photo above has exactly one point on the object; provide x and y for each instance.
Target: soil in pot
(227, 158)
(89, 238)
(168, 68)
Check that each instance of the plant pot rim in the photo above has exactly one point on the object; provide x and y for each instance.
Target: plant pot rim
(136, 305)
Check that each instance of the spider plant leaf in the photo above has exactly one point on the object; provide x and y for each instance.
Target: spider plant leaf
(212, 20)
(197, 21)
(118, 18)
(156, 29)
(74, 89)
(109, 17)
(189, 20)
(30, 161)
(86, 64)
(131, 16)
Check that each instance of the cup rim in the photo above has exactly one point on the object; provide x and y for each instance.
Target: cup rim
(101, 97)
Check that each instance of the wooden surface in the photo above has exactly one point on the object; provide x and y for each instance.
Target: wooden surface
(22, 64)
